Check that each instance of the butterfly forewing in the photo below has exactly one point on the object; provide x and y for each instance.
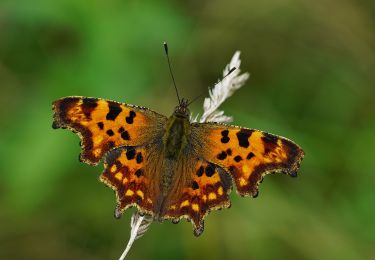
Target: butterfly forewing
(104, 124)
(246, 154)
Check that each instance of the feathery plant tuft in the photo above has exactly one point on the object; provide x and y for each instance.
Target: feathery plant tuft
(232, 80)
(223, 90)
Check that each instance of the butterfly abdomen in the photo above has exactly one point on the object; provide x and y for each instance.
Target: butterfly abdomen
(174, 141)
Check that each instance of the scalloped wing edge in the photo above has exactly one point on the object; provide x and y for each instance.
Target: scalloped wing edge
(59, 123)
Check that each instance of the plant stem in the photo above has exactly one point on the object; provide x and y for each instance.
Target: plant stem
(133, 236)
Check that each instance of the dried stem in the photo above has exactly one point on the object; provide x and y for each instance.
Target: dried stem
(139, 225)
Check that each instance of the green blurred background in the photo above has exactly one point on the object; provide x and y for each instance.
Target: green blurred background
(312, 80)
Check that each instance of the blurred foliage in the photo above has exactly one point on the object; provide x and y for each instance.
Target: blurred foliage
(312, 66)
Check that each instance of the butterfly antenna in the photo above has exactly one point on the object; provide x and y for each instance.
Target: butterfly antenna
(229, 72)
(170, 70)
(195, 99)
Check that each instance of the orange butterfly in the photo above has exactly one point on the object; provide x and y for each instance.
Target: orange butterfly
(169, 167)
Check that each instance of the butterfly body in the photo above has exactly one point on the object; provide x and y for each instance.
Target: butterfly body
(171, 168)
(176, 135)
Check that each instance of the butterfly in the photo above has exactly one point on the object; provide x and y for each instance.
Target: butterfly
(170, 167)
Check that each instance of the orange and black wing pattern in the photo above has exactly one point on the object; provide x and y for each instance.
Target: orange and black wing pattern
(128, 171)
(104, 124)
(207, 188)
(246, 154)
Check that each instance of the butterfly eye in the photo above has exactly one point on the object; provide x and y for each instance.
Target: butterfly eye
(181, 111)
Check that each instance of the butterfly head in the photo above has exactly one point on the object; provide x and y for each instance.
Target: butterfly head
(182, 109)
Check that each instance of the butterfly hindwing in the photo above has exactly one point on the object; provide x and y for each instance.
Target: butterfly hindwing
(127, 172)
(104, 124)
(206, 188)
(246, 154)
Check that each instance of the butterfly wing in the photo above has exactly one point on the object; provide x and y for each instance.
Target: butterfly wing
(134, 173)
(104, 124)
(218, 153)
(204, 187)
(246, 154)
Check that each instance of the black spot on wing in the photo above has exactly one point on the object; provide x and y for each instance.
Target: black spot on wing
(130, 119)
(130, 154)
(238, 158)
(250, 155)
(125, 135)
(139, 173)
(209, 170)
(88, 105)
(224, 133)
(243, 137)
(139, 157)
(101, 125)
(222, 155)
(114, 111)
(110, 132)
(200, 171)
(225, 139)
(195, 185)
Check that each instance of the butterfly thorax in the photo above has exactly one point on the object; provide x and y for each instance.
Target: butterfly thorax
(177, 130)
